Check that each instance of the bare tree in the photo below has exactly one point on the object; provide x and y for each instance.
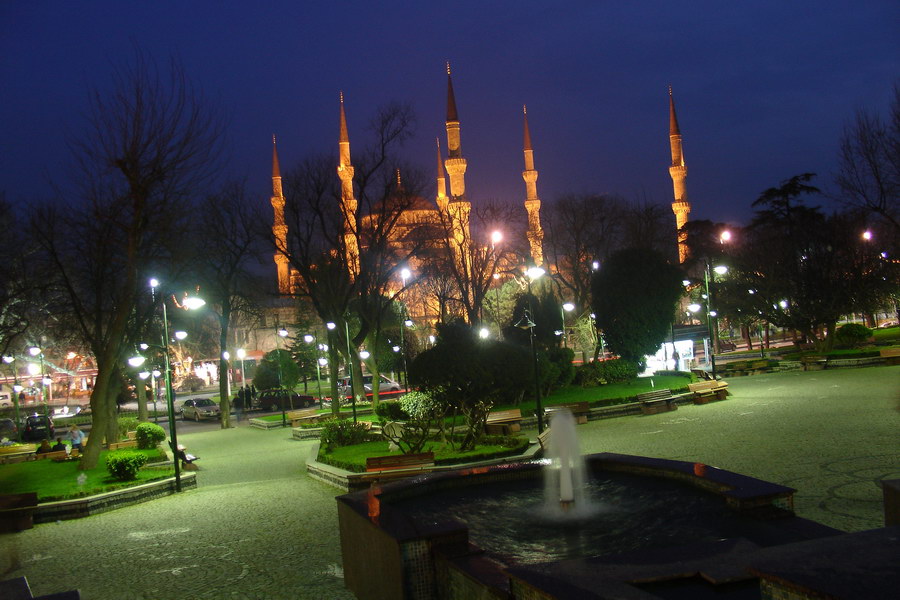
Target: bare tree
(227, 248)
(869, 171)
(469, 257)
(150, 143)
(356, 295)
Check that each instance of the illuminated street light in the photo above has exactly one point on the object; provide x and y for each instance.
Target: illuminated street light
(170, 397)
(720, 270)
(136, 361)
(566, 307)
(694, 308)
(364, 354)
(725, 236)
(867, 235)
(483, 333)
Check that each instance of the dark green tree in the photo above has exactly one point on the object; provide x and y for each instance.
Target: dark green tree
(277, 370)
(635, 298)
(470, 375)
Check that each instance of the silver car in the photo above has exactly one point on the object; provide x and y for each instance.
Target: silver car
(199, 408)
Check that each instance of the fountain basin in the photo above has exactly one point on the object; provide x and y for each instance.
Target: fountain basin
(392, 549)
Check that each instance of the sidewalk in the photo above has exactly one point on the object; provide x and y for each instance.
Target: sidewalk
(258, 527)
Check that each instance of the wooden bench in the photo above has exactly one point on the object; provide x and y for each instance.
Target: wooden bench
(737, 368)
(726, 346)
(16, 511)
(708, 391)
(58, 455)
(814, 363)
(891, 356)
(544, 440)
(123, 445)
(580, 410)
(298, 417)
(657, 401)
(400, 461)
(503, 422)
(702, 374)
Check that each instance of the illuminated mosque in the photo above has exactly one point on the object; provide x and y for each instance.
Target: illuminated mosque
(454, 207)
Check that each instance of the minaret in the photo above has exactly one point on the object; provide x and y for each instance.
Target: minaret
(678, 171)
(532, 202)
(441, 181)
(279, 229)
(458, 206)
(348, 201)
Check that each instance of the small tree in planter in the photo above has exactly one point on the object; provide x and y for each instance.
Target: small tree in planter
(424, 414)
(125, 464)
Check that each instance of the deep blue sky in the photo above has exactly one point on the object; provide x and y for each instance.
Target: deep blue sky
(763, 88)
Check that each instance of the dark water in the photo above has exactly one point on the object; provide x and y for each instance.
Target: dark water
(511, 522)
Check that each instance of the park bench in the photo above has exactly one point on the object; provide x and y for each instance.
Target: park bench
(422, 460)
(657, 401)
(580, 410)
(503, 422)
(123, 445)
(702, 374)
(737, 368)
(813, 362)
(16, 511)
(891, 356)
(298, 417)
(726, 346)
(708, 391)
(187, 459)
(544, 440)
(58, 455)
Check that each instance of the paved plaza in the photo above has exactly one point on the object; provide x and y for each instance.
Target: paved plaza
(258, 527)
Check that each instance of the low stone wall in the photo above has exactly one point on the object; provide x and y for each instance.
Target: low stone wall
(48, 512)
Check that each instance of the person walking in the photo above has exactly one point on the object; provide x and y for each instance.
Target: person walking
(76, 436)
(239, 404)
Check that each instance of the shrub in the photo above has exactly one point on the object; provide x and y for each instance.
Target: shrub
(852, 335)
(565, 370)
(343, 432)
(127, 424)
(125, 464)
(598, 372)
(391, 410)
(149, 435)
(618, 370)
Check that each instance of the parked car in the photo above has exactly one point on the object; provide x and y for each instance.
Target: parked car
(8, 429)
(38, 427)
(199, 408)
(386, 384)
(274, 399)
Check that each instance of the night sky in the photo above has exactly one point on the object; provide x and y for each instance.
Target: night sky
(763, 89)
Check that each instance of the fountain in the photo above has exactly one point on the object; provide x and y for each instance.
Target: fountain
(564, 474)
(603, 522)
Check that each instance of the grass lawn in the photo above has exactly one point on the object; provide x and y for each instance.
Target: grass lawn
(322, 413)
(891, 334)
(59, 480)
(357, 454)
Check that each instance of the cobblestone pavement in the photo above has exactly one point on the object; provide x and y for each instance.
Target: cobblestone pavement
(258, 527)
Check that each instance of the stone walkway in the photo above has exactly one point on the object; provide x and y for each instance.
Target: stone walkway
(258, 527)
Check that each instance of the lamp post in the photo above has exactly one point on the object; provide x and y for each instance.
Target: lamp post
(190, 303)
(332, 326)
(242, 354)
(406, 322)
(496, 238)
(16, 388)
(282, 333)
(310, 339)
(711, 324)
(566, 307)
(533, 274)
(37, 352)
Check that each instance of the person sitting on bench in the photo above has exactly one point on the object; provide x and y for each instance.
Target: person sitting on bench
(183, 456)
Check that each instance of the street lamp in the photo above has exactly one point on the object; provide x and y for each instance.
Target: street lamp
(404, 274)
(282, 333)
(37, 352)
(332, 326)
(533, 274)
(16, 387)
(242, 354)
(711, 325)
(170, 398)
(566, 307)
